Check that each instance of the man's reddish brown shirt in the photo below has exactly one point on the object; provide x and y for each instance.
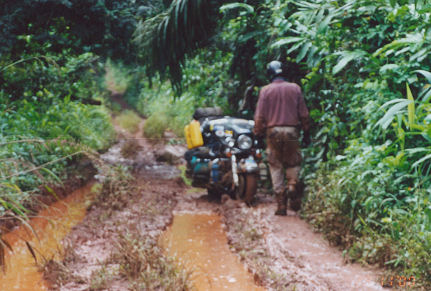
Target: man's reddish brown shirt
(280, 104)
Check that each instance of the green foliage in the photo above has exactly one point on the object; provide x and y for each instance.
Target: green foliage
(102, 27)
(48, 78)
(36, 148)
(205, 78)
(208, 82)
(363, 202)
(45, 127)
(247, 7)
(129, 120)
(156, 125)
(165, 113)
(117, 79)
(167, 38)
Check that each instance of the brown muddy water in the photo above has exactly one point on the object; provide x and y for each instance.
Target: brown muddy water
(199, 243)
(51, 226)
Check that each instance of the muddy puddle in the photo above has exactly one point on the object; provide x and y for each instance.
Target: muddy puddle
(199, 244)
(164, 172)
(51, 225)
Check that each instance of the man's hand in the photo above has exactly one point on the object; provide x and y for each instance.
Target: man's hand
(306, 139)
(259, 127)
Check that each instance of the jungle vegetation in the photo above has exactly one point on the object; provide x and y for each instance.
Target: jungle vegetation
(364, 66)
(52, 89)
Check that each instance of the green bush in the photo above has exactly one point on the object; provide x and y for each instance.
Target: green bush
(203, 78)
(129, 120)
(31, 139)
(45, 127)
(366, 207)
(164, 111)
(156, 125)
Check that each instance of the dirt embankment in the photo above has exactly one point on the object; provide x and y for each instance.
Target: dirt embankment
(79, 173)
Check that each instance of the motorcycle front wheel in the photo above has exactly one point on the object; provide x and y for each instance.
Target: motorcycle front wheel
(247, 187)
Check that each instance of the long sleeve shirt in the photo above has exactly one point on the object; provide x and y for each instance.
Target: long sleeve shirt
(281, 104)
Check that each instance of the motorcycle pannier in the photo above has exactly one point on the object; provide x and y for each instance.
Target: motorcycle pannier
(213, 112)
(193, 135)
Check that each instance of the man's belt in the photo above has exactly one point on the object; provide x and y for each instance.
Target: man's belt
(285, 128)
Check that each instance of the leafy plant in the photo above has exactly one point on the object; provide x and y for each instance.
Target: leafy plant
(167, 38)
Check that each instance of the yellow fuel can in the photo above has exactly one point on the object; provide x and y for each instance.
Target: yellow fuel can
(193, 135)
(188, 138)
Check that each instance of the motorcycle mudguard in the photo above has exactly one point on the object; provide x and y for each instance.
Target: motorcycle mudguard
(248, 165)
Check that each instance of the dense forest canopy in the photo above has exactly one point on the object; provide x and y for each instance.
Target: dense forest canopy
(364, 66)
(100, 27)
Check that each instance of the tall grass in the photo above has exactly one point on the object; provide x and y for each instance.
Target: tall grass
(129, 120)
(37, 148)
(144, 264)
(164, 111)
(45, 127)
(363, 206)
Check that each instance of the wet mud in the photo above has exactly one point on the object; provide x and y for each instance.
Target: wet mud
(145, 211)
(225, 245)
(199, 244)
(160, 171)
(285, 253)
(294, 237)
(44, 236)
(95, 240)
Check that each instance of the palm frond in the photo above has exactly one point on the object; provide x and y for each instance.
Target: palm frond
(166, 39)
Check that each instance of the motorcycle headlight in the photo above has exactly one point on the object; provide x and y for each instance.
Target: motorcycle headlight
(244, 142)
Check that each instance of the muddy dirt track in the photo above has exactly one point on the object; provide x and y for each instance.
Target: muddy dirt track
(274, 253)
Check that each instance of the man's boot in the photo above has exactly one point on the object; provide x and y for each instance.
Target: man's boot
(295, 198)
(281, 203)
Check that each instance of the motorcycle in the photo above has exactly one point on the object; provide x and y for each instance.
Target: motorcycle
(225, 155)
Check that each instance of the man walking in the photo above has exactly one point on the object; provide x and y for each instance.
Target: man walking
(280, 114)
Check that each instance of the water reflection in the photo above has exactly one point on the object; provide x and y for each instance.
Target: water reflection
(51, 226)
(200, 245)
